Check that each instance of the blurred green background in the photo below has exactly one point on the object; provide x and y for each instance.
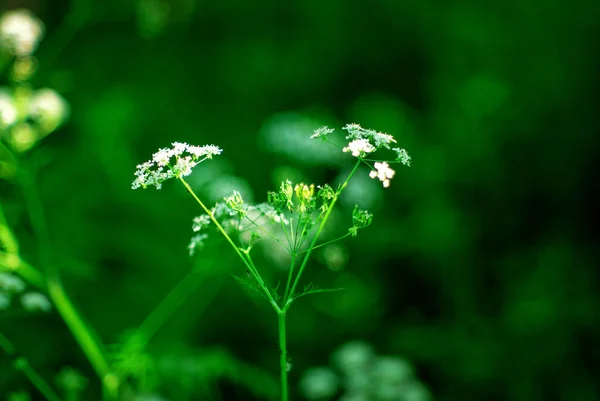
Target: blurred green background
(479, 265)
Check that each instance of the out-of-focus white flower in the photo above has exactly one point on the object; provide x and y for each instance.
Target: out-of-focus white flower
(197, 242)
(34, 301)
(353, 356)
(49, 108)
(359, 147)
(22, 137)
(20, 32)
(392, 369)
(335, 256)
(200, 222)
(384, 173)
(11, 283)
(8, 110)
(416, 391)
(319, 383)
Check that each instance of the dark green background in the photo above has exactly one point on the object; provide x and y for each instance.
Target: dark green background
(479, 266)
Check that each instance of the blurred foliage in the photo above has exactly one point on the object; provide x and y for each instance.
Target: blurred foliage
(479, 266)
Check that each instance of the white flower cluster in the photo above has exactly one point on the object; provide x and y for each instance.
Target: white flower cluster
(321, 132)
(403, 156)
(197, 242)
(378, 139)
(384, 173)
(20, 32)
(359, 147)
(200, 222)
(35, 302)
(49, 108)
(361, 374)
(161, 167)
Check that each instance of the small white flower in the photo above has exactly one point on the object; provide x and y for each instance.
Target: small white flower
(359, 147)
(163, 156)
(384, 173)
(208, 150)
(11, 283)
(20, 32)
(179, 147)
(34, 301)
(321, 132)
(184, 165)
(8, 110)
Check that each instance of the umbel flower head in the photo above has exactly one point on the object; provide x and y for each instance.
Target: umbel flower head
(177, 162)
(384, 173)
(366, 141)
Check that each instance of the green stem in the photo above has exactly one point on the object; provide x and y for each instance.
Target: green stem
(244, 258)
(83, 334)
(316, 237)
(283, 362)
(326, 243)
(84, 337)
(290, 274)
(266, 232)
(22, 364)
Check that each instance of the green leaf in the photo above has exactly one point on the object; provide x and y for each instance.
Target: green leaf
(251, 289)
(313, 289)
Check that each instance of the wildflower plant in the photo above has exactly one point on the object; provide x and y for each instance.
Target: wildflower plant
(27, 116)
(293, 215)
